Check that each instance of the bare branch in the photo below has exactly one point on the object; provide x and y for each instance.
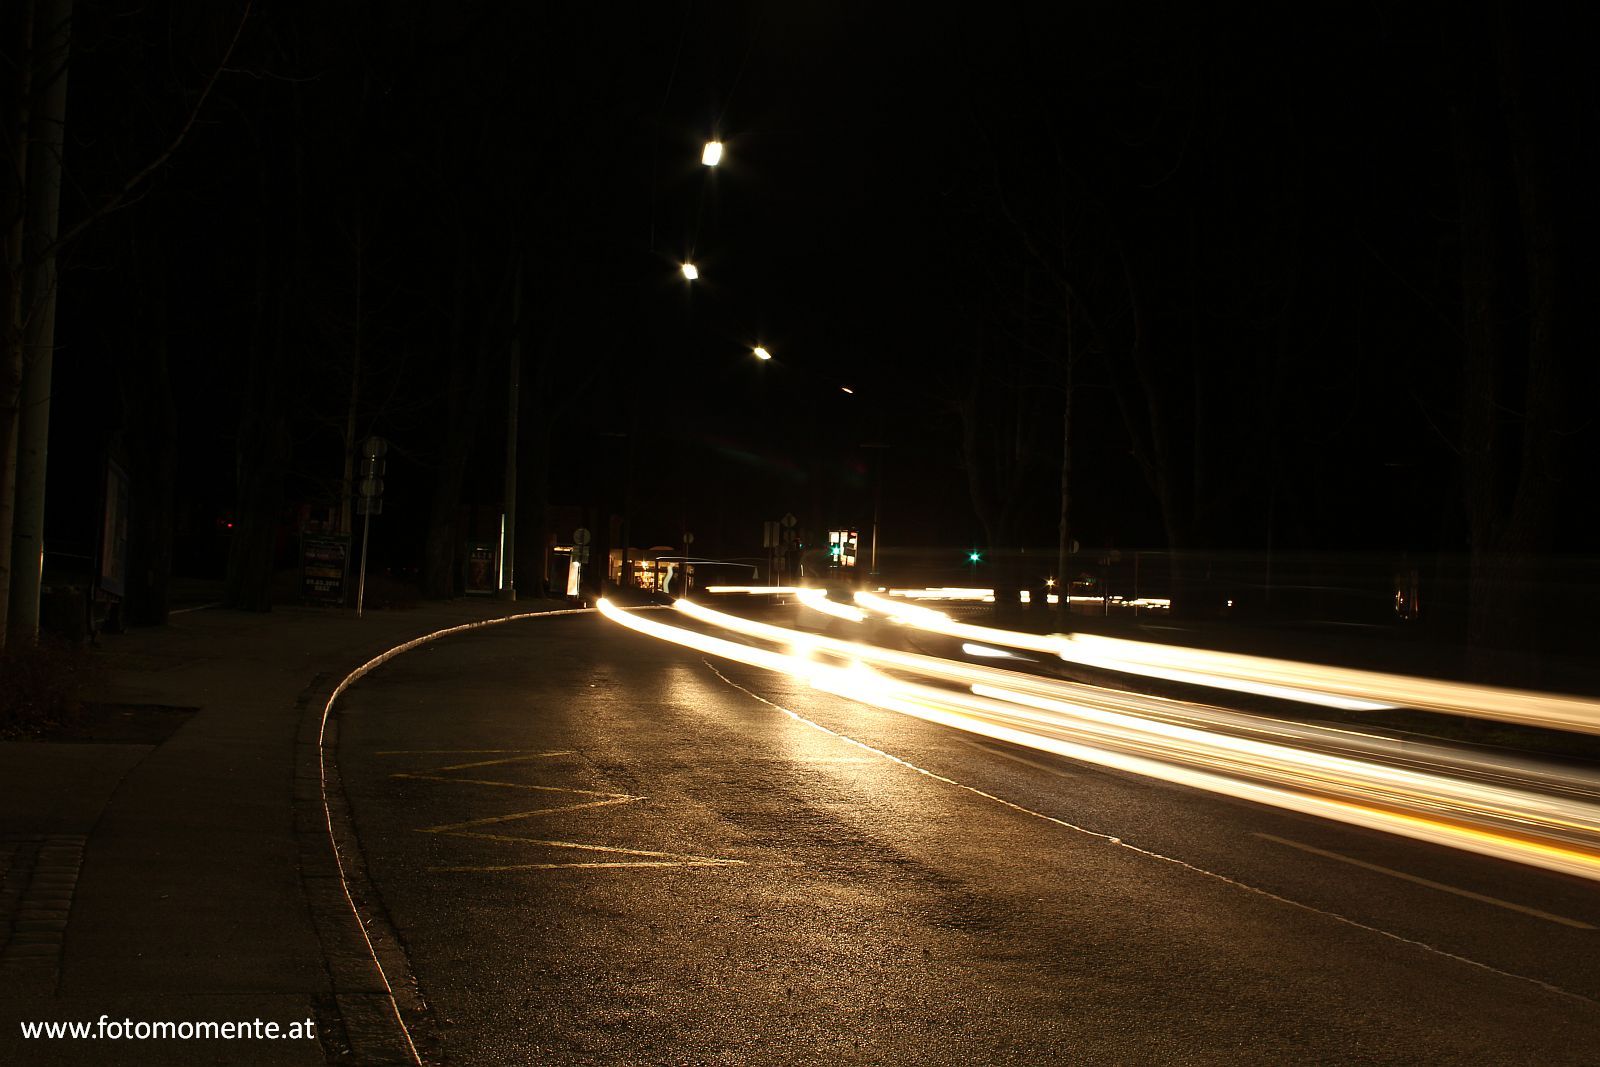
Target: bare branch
(118, 198)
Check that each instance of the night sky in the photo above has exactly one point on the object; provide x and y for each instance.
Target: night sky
(1282, 251)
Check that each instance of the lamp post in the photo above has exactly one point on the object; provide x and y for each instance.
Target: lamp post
(877, 504)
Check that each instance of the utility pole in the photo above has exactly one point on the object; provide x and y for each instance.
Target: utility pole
(508, 558)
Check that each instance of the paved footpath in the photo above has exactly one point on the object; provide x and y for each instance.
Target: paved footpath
(191, 880)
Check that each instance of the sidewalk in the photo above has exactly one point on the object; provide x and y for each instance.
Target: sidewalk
(167, 880)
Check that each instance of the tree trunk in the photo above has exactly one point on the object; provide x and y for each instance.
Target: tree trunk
(263, 447)
(149, 430)
(16, 26)
(48, 110)
(1511, 471)
(468, 380)
(1063, 582)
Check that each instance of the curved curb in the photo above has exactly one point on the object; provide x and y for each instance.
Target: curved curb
(364, 991)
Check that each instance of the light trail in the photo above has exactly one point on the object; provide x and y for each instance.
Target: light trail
(1347, 688)
(817, 600)
(1489, 804)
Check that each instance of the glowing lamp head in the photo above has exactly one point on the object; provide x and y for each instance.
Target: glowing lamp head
(690, 272)
(973, 556)
(762, 353)
(712, 154)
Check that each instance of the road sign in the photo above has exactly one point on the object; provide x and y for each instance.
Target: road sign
(374, 447)
(369, 505)
(789, 520)
(769, 534)
(580, 536)
(372, 487)
(581, 553)
(688, 538)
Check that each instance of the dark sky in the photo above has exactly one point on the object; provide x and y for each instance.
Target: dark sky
(933, 207)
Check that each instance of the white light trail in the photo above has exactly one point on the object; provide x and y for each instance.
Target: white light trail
(1489, 804)
(754, 590)
(1337, 687)
(817, 600)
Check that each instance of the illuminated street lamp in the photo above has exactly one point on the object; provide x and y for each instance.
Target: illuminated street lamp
(762, 353)
(712, 154)
(690, 272)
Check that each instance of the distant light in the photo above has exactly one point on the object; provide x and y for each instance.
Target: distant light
(762, 353)
(1050, 583)
(973, 556)
(690, 271)
(712, 154)
(847, 389)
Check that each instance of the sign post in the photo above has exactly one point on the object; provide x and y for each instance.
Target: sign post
(580, 556)
(372, 464)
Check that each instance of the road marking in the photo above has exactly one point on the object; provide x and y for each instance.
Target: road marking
(508, 785)
(517, 816)
(1244, 887)
(581, 866)
(468, 829)
(450, 751)
(653, 859)
(197, 607)
(1469, 894)
(505, 759)
(1014, 758)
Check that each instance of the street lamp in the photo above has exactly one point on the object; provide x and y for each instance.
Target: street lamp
(762, 353)
(690, 272)
(712, 155)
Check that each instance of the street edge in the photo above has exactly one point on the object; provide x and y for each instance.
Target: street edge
(364, 987)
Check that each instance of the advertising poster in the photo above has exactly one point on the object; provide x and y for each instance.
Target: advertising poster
(324, 567)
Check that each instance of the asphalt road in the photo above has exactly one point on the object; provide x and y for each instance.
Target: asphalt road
(598, 848)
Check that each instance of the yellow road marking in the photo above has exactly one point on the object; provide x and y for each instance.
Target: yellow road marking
(452, 751)
(613, 850)
(1469, 894)
(494, 820)
(579, 866)
(509, 785)
(465, 829)
(506, 759)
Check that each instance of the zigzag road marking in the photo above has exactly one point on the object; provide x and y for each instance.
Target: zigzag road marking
(467, 829)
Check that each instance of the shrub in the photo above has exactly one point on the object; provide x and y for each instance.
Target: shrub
(39, 686)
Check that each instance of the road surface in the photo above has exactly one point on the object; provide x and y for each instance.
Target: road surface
(600, 848)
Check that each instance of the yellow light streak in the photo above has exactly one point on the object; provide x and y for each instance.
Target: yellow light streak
(754, 590)
(1486, 804)
(817, 600)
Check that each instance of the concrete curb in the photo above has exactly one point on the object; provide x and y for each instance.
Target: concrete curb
(377, 1006)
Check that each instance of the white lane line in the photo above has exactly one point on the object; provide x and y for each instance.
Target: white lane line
(1014, 758)
(1469, 894)
(1243, 886)
(197, 607)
